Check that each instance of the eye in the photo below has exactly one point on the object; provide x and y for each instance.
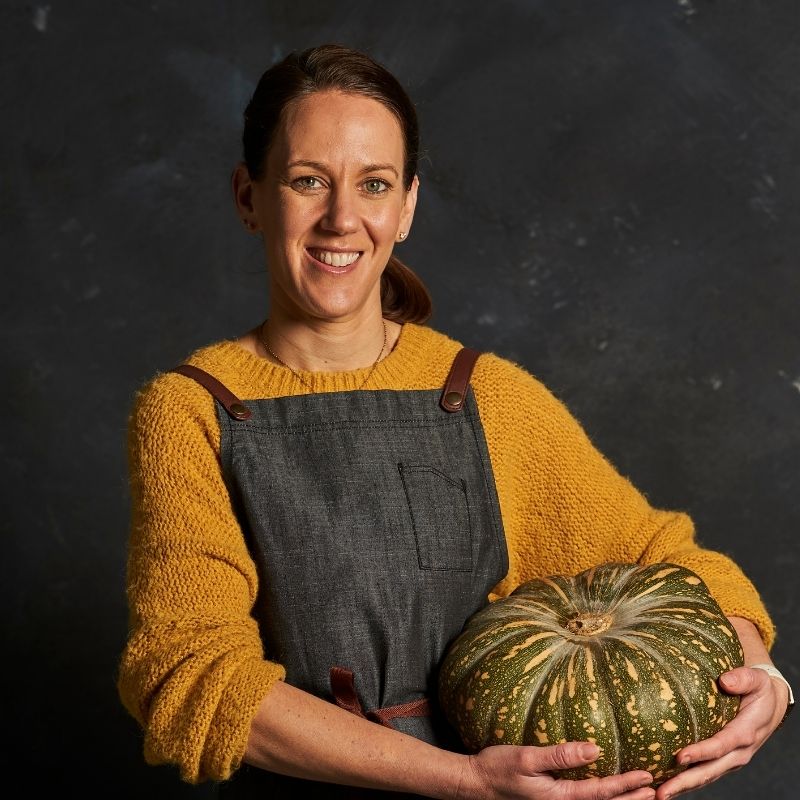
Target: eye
(376, 186)
(307, 182)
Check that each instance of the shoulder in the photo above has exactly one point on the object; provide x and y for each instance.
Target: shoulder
(491, 370)
(421, 358)
(496, 377)
(428, 339)
(496, 380)
(168, 405)
(509, 394)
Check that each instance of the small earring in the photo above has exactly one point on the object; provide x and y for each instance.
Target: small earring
(401, 235)
(251, 226)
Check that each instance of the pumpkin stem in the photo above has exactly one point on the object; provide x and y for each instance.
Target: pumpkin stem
(589, 624)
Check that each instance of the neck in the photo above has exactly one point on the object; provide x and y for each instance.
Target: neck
(325, 345)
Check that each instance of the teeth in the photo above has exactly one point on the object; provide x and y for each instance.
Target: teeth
(334, 259)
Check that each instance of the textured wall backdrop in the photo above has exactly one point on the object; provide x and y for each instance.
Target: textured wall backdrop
(610, 196)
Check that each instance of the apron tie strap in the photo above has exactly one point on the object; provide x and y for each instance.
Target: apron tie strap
(346, 697)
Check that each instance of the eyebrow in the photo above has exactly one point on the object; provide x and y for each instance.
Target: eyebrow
(323, 168)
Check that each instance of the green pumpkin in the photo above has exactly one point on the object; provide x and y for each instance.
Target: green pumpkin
(622, 655)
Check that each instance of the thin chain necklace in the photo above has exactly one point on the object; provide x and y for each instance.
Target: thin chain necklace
(301, 378)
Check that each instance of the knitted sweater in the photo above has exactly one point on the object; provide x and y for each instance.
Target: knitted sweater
(193, 670)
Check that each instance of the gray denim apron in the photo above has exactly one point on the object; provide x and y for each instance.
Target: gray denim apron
(373, 519)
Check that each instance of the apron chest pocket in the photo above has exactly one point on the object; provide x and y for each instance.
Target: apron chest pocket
(439, 512)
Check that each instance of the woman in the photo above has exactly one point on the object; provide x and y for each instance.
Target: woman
(320, 504)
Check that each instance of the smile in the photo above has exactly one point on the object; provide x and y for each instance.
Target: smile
(333, 258)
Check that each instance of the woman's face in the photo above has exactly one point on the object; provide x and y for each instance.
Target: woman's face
(331, 204)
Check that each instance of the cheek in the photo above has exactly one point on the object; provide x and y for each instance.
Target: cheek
(384, 221)
(294, 219)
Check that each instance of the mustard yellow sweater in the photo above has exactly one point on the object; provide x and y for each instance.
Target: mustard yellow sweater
(193, 671)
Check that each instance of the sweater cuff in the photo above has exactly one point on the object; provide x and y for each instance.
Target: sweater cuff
(228, 735)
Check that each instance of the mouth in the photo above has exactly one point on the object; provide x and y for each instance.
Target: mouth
(338, 260)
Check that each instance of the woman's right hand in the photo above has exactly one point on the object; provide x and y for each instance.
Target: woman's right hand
(516, 772)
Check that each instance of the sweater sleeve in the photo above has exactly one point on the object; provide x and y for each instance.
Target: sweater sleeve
(566, 508)
(192, 672)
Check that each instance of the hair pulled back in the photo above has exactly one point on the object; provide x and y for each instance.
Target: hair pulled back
(404, 297)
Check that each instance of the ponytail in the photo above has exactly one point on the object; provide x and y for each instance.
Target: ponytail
(404, 297)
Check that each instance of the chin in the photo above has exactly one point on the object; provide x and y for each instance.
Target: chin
(341, 304)
(331, 311)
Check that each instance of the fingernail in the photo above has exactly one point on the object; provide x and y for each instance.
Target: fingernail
(590, 751)
(684, 760)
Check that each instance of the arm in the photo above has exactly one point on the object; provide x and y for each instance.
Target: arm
(566, 508)
(570, 509)
(192, 672)
(295, 733)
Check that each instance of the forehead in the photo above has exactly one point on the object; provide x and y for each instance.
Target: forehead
(338, 128)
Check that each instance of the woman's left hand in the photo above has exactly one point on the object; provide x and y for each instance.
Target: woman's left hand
(763, 704)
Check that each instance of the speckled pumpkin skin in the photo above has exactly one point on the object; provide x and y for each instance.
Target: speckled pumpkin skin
(621, 655)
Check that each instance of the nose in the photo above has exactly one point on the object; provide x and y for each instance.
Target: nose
(341, 213)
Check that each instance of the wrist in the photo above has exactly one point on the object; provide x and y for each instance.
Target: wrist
(466, 789)
(776, 675)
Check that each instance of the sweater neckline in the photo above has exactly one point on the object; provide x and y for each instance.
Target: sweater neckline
(229, 361)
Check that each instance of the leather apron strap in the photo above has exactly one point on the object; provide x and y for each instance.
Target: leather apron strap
(232, 404)
(455, 389)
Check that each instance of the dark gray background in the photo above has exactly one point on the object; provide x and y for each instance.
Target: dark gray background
(610, 196)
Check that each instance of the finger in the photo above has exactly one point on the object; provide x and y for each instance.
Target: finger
(645, 793)
(759, 686)
(607, 788)
(740, 733)
(714, 748)
(562, 756)
(747, 729)
(702, 774)
(744, 680)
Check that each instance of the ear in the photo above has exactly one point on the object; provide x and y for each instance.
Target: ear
(409, 204)
(242, 188)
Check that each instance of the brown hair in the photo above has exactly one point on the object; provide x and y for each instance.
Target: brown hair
(404, 297)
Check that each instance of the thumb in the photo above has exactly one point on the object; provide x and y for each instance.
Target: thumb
(567, 755)
(740, 680)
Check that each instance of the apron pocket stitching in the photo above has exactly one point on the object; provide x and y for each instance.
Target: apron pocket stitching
(451, 553)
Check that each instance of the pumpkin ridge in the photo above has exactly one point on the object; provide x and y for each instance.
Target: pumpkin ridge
(614, 723)
(685, 625)
(533, 689)
(621, 588)
(604, 699)
(497, 642)
(678, 684)
(643, 654)
(668, 602)
(706, 633)
(559, 590)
